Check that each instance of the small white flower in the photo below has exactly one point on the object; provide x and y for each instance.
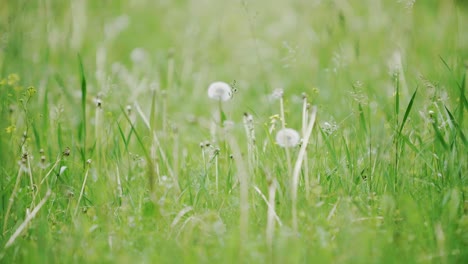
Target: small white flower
(287, 137)
(220, 91)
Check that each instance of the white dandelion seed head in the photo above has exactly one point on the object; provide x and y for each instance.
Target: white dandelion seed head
(287, 137)
(138, 55)
(220, 91)
(277, 93)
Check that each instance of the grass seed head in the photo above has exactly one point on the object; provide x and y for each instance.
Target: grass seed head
(98, 103)
(66, 152)
(129, 109)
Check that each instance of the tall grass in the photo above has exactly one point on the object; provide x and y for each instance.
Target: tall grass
(117, 154)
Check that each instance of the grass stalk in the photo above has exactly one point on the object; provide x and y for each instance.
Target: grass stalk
(243, 177)
(82, 188)
(28, 219)
(12, 199)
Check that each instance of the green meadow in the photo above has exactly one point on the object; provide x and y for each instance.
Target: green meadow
(247, 131)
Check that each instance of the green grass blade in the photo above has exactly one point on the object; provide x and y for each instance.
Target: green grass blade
(397, 98)
(408, 110)
(63, 88)
(457, 126)
(36, 136)
(83, 108)
(329, 146)
(122, 136)
(418, 152)
(362, 118)
(439, 136)
(463, 103)
(145, 151)
(153, 110)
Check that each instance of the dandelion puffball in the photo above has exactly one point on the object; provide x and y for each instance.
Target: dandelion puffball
(287, 137)
(138, 55)
(277, 94)
(220, 91)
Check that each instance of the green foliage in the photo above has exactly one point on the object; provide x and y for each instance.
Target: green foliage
(386, 162)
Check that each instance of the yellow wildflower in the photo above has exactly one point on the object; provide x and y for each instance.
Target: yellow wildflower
(10, 129)
(13, 79)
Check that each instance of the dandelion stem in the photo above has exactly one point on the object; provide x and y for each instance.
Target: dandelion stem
(216, 171)
(220, 108)
(298, 165)
(305, 113)
(283, 126)
(270, 229)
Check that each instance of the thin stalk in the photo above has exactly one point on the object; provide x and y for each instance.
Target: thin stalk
(250, 134)
(32, 184)
(298, 165)
(28, 219)
(164, 112)
(397, 136)
(119, 186)
(97, 133)
(305, 113)
(82, 188)
(59, 158)
(156, 143)
(12, 199)
(204, 160)
(283, 125)
(271, 128)
(270, 229)
(243, 177)
(175, 155)
(216, 172)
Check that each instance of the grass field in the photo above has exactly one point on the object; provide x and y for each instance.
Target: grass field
(111, 150)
